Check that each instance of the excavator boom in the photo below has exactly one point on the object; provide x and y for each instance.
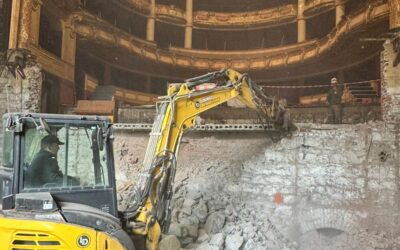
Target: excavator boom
(150, 213)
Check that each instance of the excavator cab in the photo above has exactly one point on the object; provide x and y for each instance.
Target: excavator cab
(75, 209)
(84, 159)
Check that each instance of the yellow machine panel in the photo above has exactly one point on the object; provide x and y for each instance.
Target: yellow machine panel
(37, 235)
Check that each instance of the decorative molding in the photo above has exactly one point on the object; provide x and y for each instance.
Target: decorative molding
(316, 7)
(230, 21)
(170, 14)
(53, 64)
(135, 97)
(394, 6)
(100, 31)
(138, 6)
(36, 4)
(24, 30)
(252, 19)
(215, 20)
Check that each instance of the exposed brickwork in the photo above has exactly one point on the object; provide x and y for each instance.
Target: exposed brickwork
(390, 85)
(20, 95)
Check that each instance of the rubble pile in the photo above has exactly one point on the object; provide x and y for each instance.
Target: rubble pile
(220, 221)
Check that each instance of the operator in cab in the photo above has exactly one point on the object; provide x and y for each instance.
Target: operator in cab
(44, 167)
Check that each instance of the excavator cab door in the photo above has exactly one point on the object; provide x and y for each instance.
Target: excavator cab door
(6, 166)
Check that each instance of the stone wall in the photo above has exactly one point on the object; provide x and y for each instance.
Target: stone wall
(390, 84)
(20, 95)
(327, 187)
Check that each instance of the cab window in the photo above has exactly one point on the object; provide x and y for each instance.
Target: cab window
(70, 156)
(8, 149)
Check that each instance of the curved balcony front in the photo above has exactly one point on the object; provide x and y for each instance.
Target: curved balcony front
(96, 29)
(245, 20)
(316, 7)
(215, 20)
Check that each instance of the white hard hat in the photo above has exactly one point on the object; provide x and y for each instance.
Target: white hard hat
(334, 80)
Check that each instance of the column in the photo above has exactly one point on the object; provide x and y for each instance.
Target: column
(151, 22)
(339, 11)
(35, 23)
(394, 17)
(189, 24)
(301, 22)
(14, 24)
(24, 25)
(68, 51)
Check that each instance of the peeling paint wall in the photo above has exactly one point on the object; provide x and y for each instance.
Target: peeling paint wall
(327, 187)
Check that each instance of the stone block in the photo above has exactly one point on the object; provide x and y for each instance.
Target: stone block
(192, 230)
(233, 242)
(175, 229)
(200, 211)
(217, 240)
(170, 242)
(206, 246)
(203, 236)
(214, 223)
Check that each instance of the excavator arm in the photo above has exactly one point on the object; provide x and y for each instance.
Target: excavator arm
(150, 213)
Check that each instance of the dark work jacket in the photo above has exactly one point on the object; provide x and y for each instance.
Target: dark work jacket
(334, 96)
(44, 169)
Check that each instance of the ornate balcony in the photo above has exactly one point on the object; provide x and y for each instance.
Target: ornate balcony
(91, 27)
(253, 19)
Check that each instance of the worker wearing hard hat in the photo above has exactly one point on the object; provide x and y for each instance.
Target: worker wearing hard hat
(334, 99)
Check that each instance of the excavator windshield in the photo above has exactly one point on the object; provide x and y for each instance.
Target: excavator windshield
(70, 156)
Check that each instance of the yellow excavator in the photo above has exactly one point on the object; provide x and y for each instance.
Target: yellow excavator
(77, 209)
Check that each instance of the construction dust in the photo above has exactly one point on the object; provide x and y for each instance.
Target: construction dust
(326, 187)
